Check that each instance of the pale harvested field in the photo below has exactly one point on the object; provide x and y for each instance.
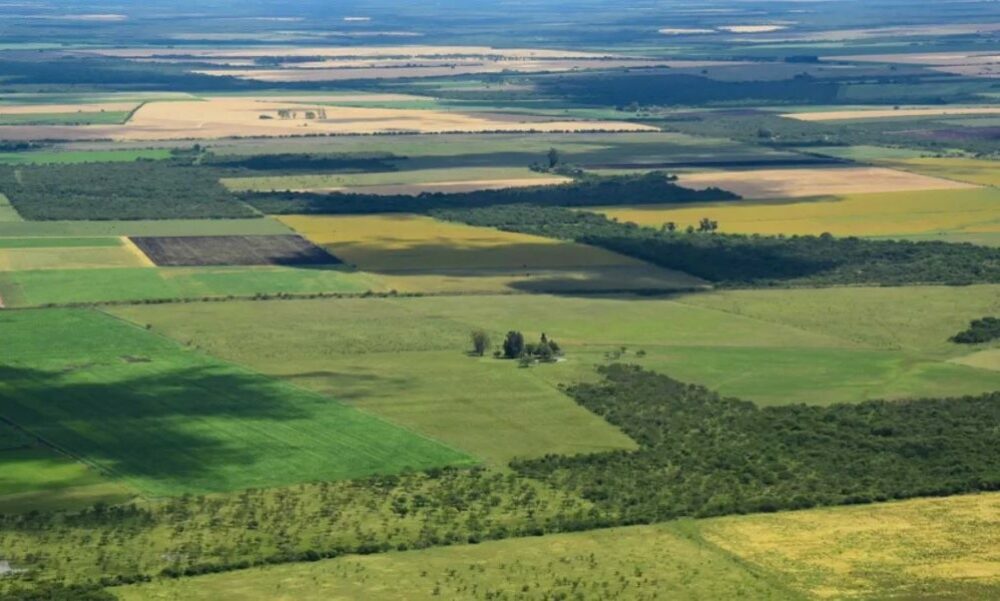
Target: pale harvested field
(413, 253)
(35, 109)
(882, 214)
(246, 117)
(851, 552)
(398, 182)
(891, 113)
(752, 28)
(986, 359)
(791, 183)
(346, 52)
(980, 64)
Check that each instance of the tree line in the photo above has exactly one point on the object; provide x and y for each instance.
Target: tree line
(752, 260)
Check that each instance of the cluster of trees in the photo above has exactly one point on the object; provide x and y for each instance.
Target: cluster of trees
(649, 188)
(704, 225)
(980, 330)
(703, 455)
(514, 346)
(753, 260)
(165, 189)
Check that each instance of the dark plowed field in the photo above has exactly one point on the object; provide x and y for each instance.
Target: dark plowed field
(186, 251)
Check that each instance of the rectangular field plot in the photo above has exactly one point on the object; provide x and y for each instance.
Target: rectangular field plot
(421, 254)
(22, 254)
(65, 286)
(882, 214)
(260, 226)
(169, 420)
(786, 183)
(190, 251)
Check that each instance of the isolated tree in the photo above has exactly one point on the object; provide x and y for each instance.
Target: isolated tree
(480, 342)
(669, 226)
(553, 158)
(513, 345)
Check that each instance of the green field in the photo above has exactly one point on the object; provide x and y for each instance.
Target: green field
(77, 118)
(169, 420)
(7, 212)
(165, 227)
(56, 156)
(39, 242)
(67, 286)
(404, 358)
(388, 178)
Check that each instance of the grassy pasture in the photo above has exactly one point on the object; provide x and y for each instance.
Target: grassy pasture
(879, 214)
(7, 211)
(360, 181)
(421, 254)
(976, 171)
(60, 156)
(76, 118)
(166, 227)
(64, 286)
(168, 420)
(404, 358)
(38, 478)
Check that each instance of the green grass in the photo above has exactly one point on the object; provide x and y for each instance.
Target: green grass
(643, 562)
(404, 358)
(39, 479)
(336, 180)
(66, 286)
(59, 156)
(95, 242)
(77, 118)
(168, 420)
(165, 227)
(8, 213)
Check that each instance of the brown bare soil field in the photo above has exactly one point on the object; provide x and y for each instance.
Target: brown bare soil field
(790, 183)
(890, 113)
(248, 117)
(191, 251)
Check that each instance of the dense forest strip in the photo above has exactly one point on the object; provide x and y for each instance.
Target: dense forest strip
(703, 455)
(589, 191)
(751, 260)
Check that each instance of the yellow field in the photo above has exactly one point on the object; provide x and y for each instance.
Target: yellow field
(790, 183)
(400, 182)
(849, 552)
(415, 253)
(891, 113)
(226, 117)
(987, 359)
(976, 171)
(972, 210)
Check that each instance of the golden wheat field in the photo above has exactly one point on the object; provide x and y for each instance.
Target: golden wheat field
(883, 214)
(880, 113)
(892, 549)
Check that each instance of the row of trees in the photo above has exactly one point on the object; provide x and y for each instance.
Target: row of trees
(753, 260)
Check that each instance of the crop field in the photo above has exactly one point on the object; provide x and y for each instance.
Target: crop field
(25, 254)
(876, 113)
(977, 171)
(263, 226)
(783, 183)
(76, 118)
(399, 182)
(925, 212)
(421, 254)
(144, 409)
(68, 286)
(188, 251)
(924, 548)
(222, 117)
(43, 157)
(7, 211)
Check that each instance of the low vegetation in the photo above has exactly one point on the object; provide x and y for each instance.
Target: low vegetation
(980, 330)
